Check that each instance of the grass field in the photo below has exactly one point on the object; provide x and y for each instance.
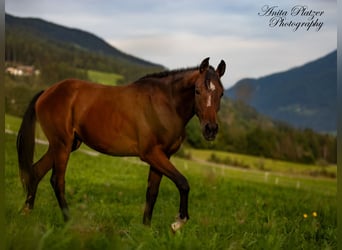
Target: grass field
(230, 208)
(264, 164)
(103, 77)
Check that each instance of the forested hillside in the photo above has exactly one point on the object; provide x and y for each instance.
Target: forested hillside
(60, 52)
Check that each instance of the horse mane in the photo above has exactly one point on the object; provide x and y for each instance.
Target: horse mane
(167, 73)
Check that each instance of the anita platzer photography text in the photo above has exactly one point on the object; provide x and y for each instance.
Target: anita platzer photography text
(298, 17)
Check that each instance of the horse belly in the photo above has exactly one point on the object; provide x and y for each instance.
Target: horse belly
(118, 146)
(108, 131)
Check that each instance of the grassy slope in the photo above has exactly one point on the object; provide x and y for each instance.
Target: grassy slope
(264, 164)
(229, 208)
(104, 78)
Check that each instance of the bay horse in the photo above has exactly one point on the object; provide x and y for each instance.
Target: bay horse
(146, 118)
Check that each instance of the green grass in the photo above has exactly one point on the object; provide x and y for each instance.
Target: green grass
(264, 164)
(104, 78)
(230, 208)
(12, 123)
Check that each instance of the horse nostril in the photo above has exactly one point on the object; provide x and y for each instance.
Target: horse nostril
(211, 128)
(215, 128)
(207, 128)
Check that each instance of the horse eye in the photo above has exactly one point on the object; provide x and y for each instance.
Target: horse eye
(197, 91)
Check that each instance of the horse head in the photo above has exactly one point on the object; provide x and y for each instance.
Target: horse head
(208, 93)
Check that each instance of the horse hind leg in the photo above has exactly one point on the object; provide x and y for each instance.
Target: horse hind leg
(57, 179)
(40, 168)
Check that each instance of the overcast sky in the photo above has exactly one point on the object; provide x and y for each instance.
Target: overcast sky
(178, 34)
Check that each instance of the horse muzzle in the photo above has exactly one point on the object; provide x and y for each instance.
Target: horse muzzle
(209, 131)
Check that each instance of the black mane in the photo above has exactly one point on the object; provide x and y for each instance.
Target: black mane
(168, 73)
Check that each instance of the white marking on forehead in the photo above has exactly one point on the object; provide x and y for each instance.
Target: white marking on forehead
(209, 101)
(212, 86)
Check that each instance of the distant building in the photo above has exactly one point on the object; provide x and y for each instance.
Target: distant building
(22, 70)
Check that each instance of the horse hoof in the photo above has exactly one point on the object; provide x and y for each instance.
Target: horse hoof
(66, 214)
(178, 224)
(25, 210)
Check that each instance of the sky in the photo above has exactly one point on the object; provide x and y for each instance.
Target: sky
(254, 38)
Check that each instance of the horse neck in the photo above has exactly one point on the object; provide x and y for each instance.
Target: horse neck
(183, 90)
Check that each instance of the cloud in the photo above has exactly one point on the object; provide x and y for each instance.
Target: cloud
(244, 57)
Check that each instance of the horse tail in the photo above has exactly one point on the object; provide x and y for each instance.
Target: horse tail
(26, 143)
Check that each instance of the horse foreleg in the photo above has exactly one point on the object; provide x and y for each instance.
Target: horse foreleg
(158, 159)
(154, 179)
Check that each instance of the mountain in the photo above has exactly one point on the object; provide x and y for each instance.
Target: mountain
(304, 96)
(44, 41)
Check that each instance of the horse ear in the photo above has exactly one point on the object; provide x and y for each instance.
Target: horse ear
(204, 65)
(221, 68)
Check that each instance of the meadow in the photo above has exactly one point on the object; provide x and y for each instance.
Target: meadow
(230, 208)
(103, 77)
